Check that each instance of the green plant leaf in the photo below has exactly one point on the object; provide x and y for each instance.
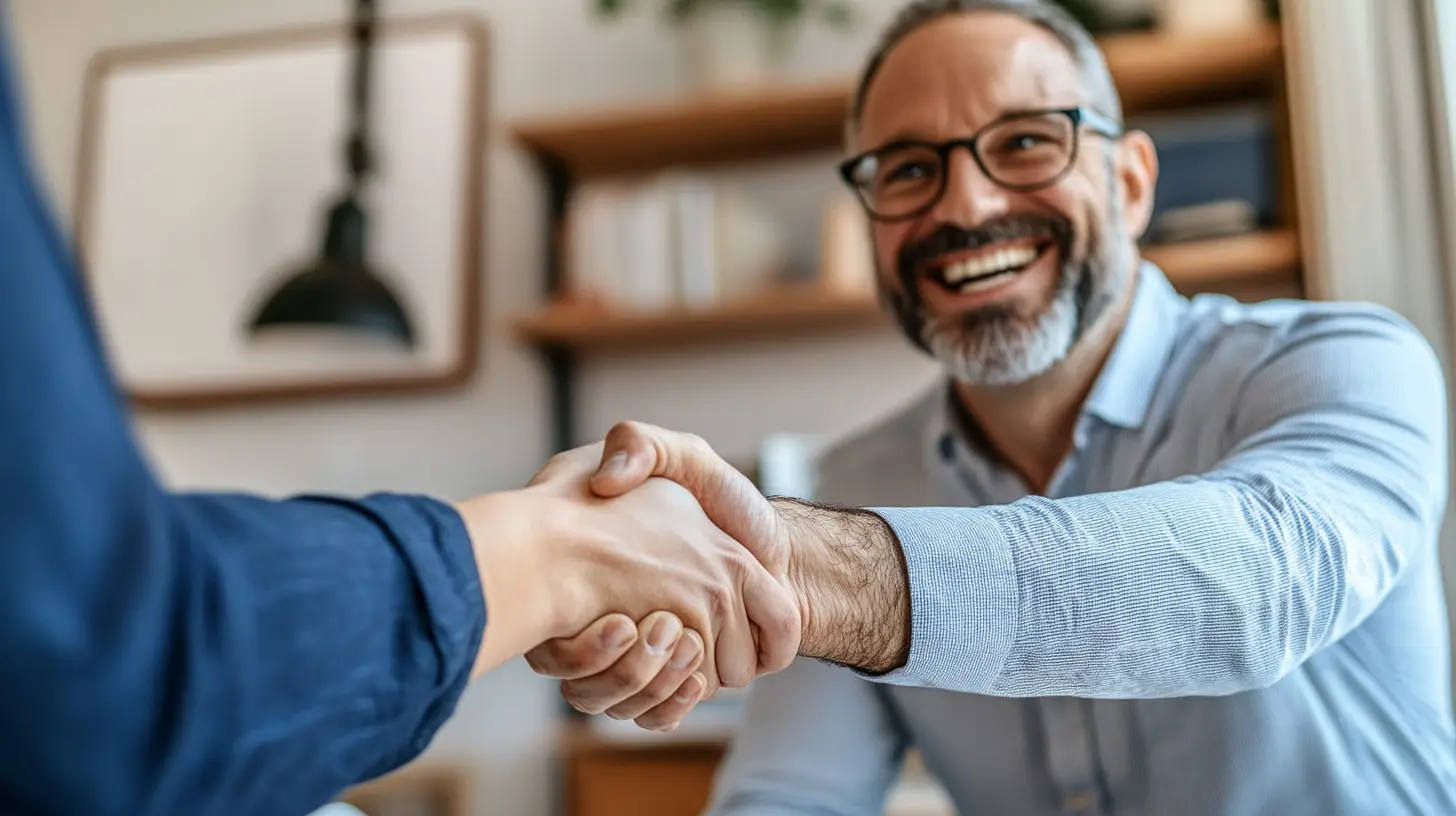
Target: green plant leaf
(678, 11)
(608, 9)
(839, 15)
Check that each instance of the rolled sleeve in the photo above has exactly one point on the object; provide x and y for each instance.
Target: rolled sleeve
(963, 597)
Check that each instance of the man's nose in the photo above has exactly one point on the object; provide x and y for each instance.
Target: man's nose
(970, 196)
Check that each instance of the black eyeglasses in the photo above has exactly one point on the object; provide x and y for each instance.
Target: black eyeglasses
(1025, 151)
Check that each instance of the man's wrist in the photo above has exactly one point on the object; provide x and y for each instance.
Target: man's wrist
(849, 574)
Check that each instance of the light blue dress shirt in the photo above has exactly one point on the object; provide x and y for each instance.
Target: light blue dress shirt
(1228, 601)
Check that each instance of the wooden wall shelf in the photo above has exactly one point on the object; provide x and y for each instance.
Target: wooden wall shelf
(773, 314)
(1152, 71)
(1264, 264)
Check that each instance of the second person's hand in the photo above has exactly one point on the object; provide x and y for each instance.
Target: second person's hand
(653, 549)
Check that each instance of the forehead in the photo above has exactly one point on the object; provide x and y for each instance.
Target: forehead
(954, 74)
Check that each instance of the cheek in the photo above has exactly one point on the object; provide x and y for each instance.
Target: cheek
(1072, 203)
(888, 239)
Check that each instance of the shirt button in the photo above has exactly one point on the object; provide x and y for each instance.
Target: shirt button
(947, 447)
(1077, 803)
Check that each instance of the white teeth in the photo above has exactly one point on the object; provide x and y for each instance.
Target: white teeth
(988, 282)
(1002, 260)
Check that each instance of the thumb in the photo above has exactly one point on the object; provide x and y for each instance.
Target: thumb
(569, 464)
(633, 452)
(630, 456)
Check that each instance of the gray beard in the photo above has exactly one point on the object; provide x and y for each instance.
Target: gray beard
(1000, 348)
(996, 347)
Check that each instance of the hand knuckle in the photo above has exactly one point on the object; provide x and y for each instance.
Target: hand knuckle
(574, 699)
(743, 562)
(699, 448)
(571, 662)
(784, 622)
(720, 603)
(623, 682)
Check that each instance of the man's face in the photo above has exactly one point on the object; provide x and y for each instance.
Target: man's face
(999, 284)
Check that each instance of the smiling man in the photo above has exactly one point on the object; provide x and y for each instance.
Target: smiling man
(1150, 554)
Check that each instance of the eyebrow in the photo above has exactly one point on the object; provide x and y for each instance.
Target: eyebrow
(907, 135)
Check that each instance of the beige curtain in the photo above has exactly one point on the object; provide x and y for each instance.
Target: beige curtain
(1372, 87)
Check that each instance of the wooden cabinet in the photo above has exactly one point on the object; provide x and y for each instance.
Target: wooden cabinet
(675, 778)
(669, 778)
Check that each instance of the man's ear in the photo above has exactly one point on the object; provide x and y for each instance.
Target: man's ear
(1137, 180)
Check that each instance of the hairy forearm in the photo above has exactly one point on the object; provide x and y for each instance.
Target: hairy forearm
(849, 574)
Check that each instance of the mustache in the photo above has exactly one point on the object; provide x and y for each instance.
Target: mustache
(950, 238)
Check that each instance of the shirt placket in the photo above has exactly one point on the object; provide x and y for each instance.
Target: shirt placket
(1070, 756)
(1068, 731)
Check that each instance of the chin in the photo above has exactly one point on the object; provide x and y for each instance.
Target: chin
(994, 346)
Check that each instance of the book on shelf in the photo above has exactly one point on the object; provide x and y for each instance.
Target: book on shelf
(670, 240)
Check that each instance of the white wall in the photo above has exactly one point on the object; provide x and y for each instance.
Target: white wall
(548, 57)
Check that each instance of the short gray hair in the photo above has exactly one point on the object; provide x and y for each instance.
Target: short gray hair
(1096, 78)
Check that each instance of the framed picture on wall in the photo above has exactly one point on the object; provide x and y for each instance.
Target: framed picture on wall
(207, 172)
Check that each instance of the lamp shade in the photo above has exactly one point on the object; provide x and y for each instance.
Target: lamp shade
(339, 288)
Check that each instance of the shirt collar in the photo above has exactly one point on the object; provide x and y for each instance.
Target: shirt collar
(1124, 390)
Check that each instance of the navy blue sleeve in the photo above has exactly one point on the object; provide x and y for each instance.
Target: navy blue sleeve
(197, 653)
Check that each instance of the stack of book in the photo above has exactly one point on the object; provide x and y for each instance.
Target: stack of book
(671, 240)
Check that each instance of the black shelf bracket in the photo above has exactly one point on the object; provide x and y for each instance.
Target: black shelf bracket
(560, 362)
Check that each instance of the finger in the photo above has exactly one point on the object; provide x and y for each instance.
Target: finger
(773, 609)
(575, 462)
(667, 715)
(708, 667)
(591, 651)
(685, 659)
(736, 654)
(631, 674)
(629, 458)
(636, 451)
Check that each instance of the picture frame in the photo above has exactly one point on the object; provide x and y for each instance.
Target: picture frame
(205, 172)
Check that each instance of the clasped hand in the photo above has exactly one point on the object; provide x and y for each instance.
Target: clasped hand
(686, 581)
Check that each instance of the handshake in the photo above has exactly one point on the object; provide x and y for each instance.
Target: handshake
(646, 573)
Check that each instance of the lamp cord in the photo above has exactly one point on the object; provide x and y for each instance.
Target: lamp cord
(359, 155)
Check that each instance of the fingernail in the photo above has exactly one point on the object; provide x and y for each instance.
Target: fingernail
(616, 465)
(664, 633)
(687, 652)
(617, 635)
(690, 691)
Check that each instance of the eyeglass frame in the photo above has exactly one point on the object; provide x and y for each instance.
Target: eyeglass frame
(1098, 123)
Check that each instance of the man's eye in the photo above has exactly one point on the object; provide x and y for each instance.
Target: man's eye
(1025, 141)
(910, 171)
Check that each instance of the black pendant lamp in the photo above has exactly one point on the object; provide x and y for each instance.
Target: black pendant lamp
(340, 288)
